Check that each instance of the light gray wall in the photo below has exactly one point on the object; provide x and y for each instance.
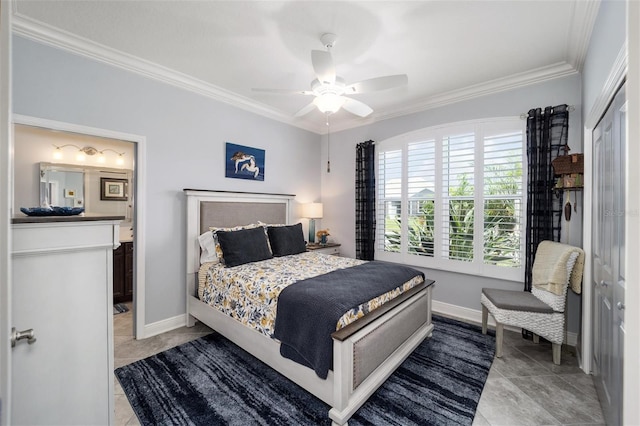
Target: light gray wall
(607, 39)
(338, 189)
(186, 135)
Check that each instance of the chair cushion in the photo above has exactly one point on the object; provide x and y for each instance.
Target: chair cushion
(516, 300)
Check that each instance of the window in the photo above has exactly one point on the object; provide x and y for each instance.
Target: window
(451, 198)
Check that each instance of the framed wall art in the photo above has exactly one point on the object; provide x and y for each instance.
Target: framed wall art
(113, 189)
(243, 162)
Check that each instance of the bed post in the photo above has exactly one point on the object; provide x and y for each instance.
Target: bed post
(343, 366)
(193, 250)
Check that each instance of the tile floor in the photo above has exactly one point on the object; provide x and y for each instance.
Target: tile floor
(524, 386)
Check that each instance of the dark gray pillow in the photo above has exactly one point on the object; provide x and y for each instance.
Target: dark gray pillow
(286, 240)
(243, 246)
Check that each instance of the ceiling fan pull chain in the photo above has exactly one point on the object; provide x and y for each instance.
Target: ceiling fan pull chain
(328, 145)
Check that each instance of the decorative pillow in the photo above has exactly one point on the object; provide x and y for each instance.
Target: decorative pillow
(286, 240)
(267, 225)
(214, 230)
(244, 246)
(208, 248)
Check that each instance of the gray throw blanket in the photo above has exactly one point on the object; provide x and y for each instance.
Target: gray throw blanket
(309, 310)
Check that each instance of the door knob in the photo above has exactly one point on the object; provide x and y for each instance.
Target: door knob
(603, 283)
(620, 306)
(21, 335)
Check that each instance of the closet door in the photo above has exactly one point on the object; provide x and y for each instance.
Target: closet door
(609, 138)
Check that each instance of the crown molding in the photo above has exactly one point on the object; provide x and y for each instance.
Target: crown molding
(584, 18)
(49, 35)
(46, 34)
(539, 75)
(514, 81)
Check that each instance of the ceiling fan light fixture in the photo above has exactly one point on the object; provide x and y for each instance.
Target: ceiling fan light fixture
(329, 88)
(329, 103)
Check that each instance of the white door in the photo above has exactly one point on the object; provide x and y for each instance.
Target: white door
(6, 174)
(608, 256)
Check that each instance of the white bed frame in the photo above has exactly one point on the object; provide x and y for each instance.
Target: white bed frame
(365, 353)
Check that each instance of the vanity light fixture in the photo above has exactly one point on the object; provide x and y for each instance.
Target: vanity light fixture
(102, 158)
(87, 150)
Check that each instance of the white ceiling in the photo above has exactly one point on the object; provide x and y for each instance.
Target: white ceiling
(450, 50)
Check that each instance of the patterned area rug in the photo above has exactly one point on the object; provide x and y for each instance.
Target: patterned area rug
(211, 381)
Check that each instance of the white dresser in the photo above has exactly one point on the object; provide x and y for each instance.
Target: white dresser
(62, 289)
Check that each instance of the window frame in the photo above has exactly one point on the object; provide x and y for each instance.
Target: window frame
(481, 129)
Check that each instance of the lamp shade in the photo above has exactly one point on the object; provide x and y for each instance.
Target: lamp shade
(312, 210)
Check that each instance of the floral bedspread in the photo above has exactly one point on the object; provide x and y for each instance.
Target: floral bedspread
(249, 292)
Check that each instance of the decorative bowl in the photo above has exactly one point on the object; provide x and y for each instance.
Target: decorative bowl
(52, 211)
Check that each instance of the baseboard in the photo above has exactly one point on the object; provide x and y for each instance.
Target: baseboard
(441, 308)
(165, 325)
(475, 316)
(465, 314)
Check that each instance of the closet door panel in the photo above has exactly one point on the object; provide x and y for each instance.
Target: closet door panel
(607, 257)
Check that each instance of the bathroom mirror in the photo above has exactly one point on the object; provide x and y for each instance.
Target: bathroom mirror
(71, 185)
(61, 185)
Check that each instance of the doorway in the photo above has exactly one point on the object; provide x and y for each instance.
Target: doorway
(79, 135)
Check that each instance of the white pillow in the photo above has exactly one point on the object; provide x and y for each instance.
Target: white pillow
(208, 247)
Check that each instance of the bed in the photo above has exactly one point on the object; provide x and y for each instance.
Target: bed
(365, 352)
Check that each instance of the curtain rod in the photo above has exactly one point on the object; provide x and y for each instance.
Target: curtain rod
(525, 115)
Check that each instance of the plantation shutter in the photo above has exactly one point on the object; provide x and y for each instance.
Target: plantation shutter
(502, 196)
(389, 211)
(452, 198)
(458, 196)
(421, 181)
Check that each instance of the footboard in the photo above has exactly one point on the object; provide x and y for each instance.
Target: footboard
(365, 359)
(362, 359)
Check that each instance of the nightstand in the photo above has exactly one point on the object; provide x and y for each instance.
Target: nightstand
(329, 248)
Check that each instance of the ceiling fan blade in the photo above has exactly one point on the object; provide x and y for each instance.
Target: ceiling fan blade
(305, 110)
(323, 66)
(356, 107)
(378, 83)
(284, 91)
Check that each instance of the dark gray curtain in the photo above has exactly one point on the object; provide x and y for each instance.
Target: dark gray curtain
(365, 200)
(546, 137)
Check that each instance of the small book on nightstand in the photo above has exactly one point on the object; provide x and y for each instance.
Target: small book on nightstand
(328, 248)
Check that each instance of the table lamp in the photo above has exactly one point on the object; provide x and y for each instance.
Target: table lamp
(312, 211)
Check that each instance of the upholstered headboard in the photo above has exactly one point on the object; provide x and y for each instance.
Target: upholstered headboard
(225, 209)
(226, 214)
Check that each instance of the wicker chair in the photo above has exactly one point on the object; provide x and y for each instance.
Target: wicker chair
(541, 311)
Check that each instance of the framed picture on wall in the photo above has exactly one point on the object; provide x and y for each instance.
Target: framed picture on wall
(243, 162)
(113, 189)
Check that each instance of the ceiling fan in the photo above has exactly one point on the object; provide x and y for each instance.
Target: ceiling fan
(330, 90)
